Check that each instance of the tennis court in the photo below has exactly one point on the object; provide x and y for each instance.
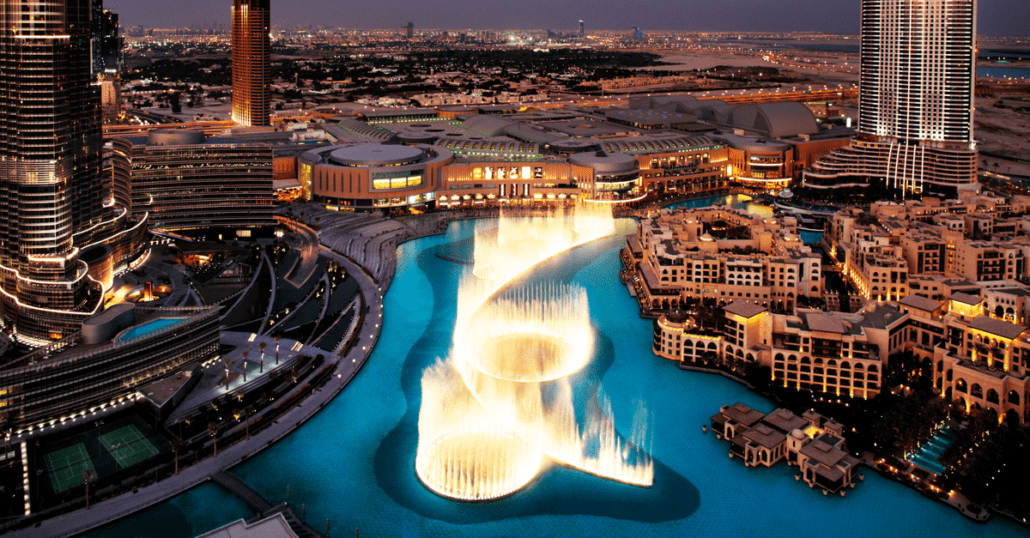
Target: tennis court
(128, 446)
(66, 467)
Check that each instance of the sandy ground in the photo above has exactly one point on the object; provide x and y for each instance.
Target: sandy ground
(1003, 131)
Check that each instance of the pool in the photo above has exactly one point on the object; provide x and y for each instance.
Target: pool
(353, 463)
(147, 328)
(928, 456)
(743, 201)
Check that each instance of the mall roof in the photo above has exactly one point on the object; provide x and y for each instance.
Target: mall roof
(776, 120)
(642, 145)
(487, 125)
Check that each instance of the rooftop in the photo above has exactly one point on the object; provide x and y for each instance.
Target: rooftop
(921, 303)
(997, 327)
(745, 309)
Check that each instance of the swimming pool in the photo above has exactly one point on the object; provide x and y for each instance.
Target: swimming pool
(147, 328)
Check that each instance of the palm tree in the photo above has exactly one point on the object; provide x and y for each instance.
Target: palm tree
(248, 412)
(212, 430)
(244, 354)
(261, 367)
(176, 447)
(277, 338)
(226, 362)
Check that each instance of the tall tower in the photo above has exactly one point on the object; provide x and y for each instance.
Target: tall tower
(915, 128)
(50, 145)
(582, 30)
(251, 62)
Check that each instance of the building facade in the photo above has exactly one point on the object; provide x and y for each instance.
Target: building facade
(916, 100)
(251, 63)
(185, 181)
(50, 166)
(80, 375)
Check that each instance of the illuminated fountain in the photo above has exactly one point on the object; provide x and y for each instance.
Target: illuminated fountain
(503, 400)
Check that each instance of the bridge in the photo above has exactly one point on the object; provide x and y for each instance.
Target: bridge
(264, 508)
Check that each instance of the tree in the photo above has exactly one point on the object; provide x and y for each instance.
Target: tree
(87, 475)
(226, 362)
(176, 447)
(212, 430)
(277, 338)
(261, 367)
(244, 355)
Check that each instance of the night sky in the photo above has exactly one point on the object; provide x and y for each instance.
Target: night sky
(996, 17)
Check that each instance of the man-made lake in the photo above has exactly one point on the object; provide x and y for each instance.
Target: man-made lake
(354, 462)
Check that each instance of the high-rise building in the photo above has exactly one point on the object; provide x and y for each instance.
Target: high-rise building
(251, 62)
(918, 70)
(111, 57)
(410, 30)
(50, 143)
(582, 30)
(55, 202)
(96, 22)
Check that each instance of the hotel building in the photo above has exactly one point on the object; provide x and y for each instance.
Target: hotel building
(915, 129)
(720, 255)
(186, 181)
(55, 204)
(251, 63)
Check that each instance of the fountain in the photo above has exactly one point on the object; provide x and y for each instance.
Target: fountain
(503, 403)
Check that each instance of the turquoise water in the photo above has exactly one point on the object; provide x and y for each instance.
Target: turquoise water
(353, 462)
(736, 201)
(743, 201)
(929, 454)
(202, 509)
(148, 328)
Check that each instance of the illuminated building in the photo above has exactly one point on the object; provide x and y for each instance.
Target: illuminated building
(106, 41)
(50, 170)
(185, 181)
(721, 255)
(101, 366)
(915, 129)
(978, 362)
(371, 177)
(251, 63)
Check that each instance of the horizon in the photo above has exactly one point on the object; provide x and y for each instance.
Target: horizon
(996, 18)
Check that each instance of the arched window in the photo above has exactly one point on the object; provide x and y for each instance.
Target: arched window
(960, 386)
(992, 396)
(976, 391)
(1013, 397)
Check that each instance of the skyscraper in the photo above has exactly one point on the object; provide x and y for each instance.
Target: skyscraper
(50, 144)
(582, 30)
(110, 44)
(915, 127)
(251, 62)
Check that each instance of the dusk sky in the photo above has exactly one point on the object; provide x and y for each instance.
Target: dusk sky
(996, 17)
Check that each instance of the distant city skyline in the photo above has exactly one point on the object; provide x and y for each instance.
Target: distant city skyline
(995, 17)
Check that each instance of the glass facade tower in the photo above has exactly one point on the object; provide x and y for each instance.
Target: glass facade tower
(915, 127)
(251, 63)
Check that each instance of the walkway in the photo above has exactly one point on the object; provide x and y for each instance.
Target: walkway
(239, 488)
